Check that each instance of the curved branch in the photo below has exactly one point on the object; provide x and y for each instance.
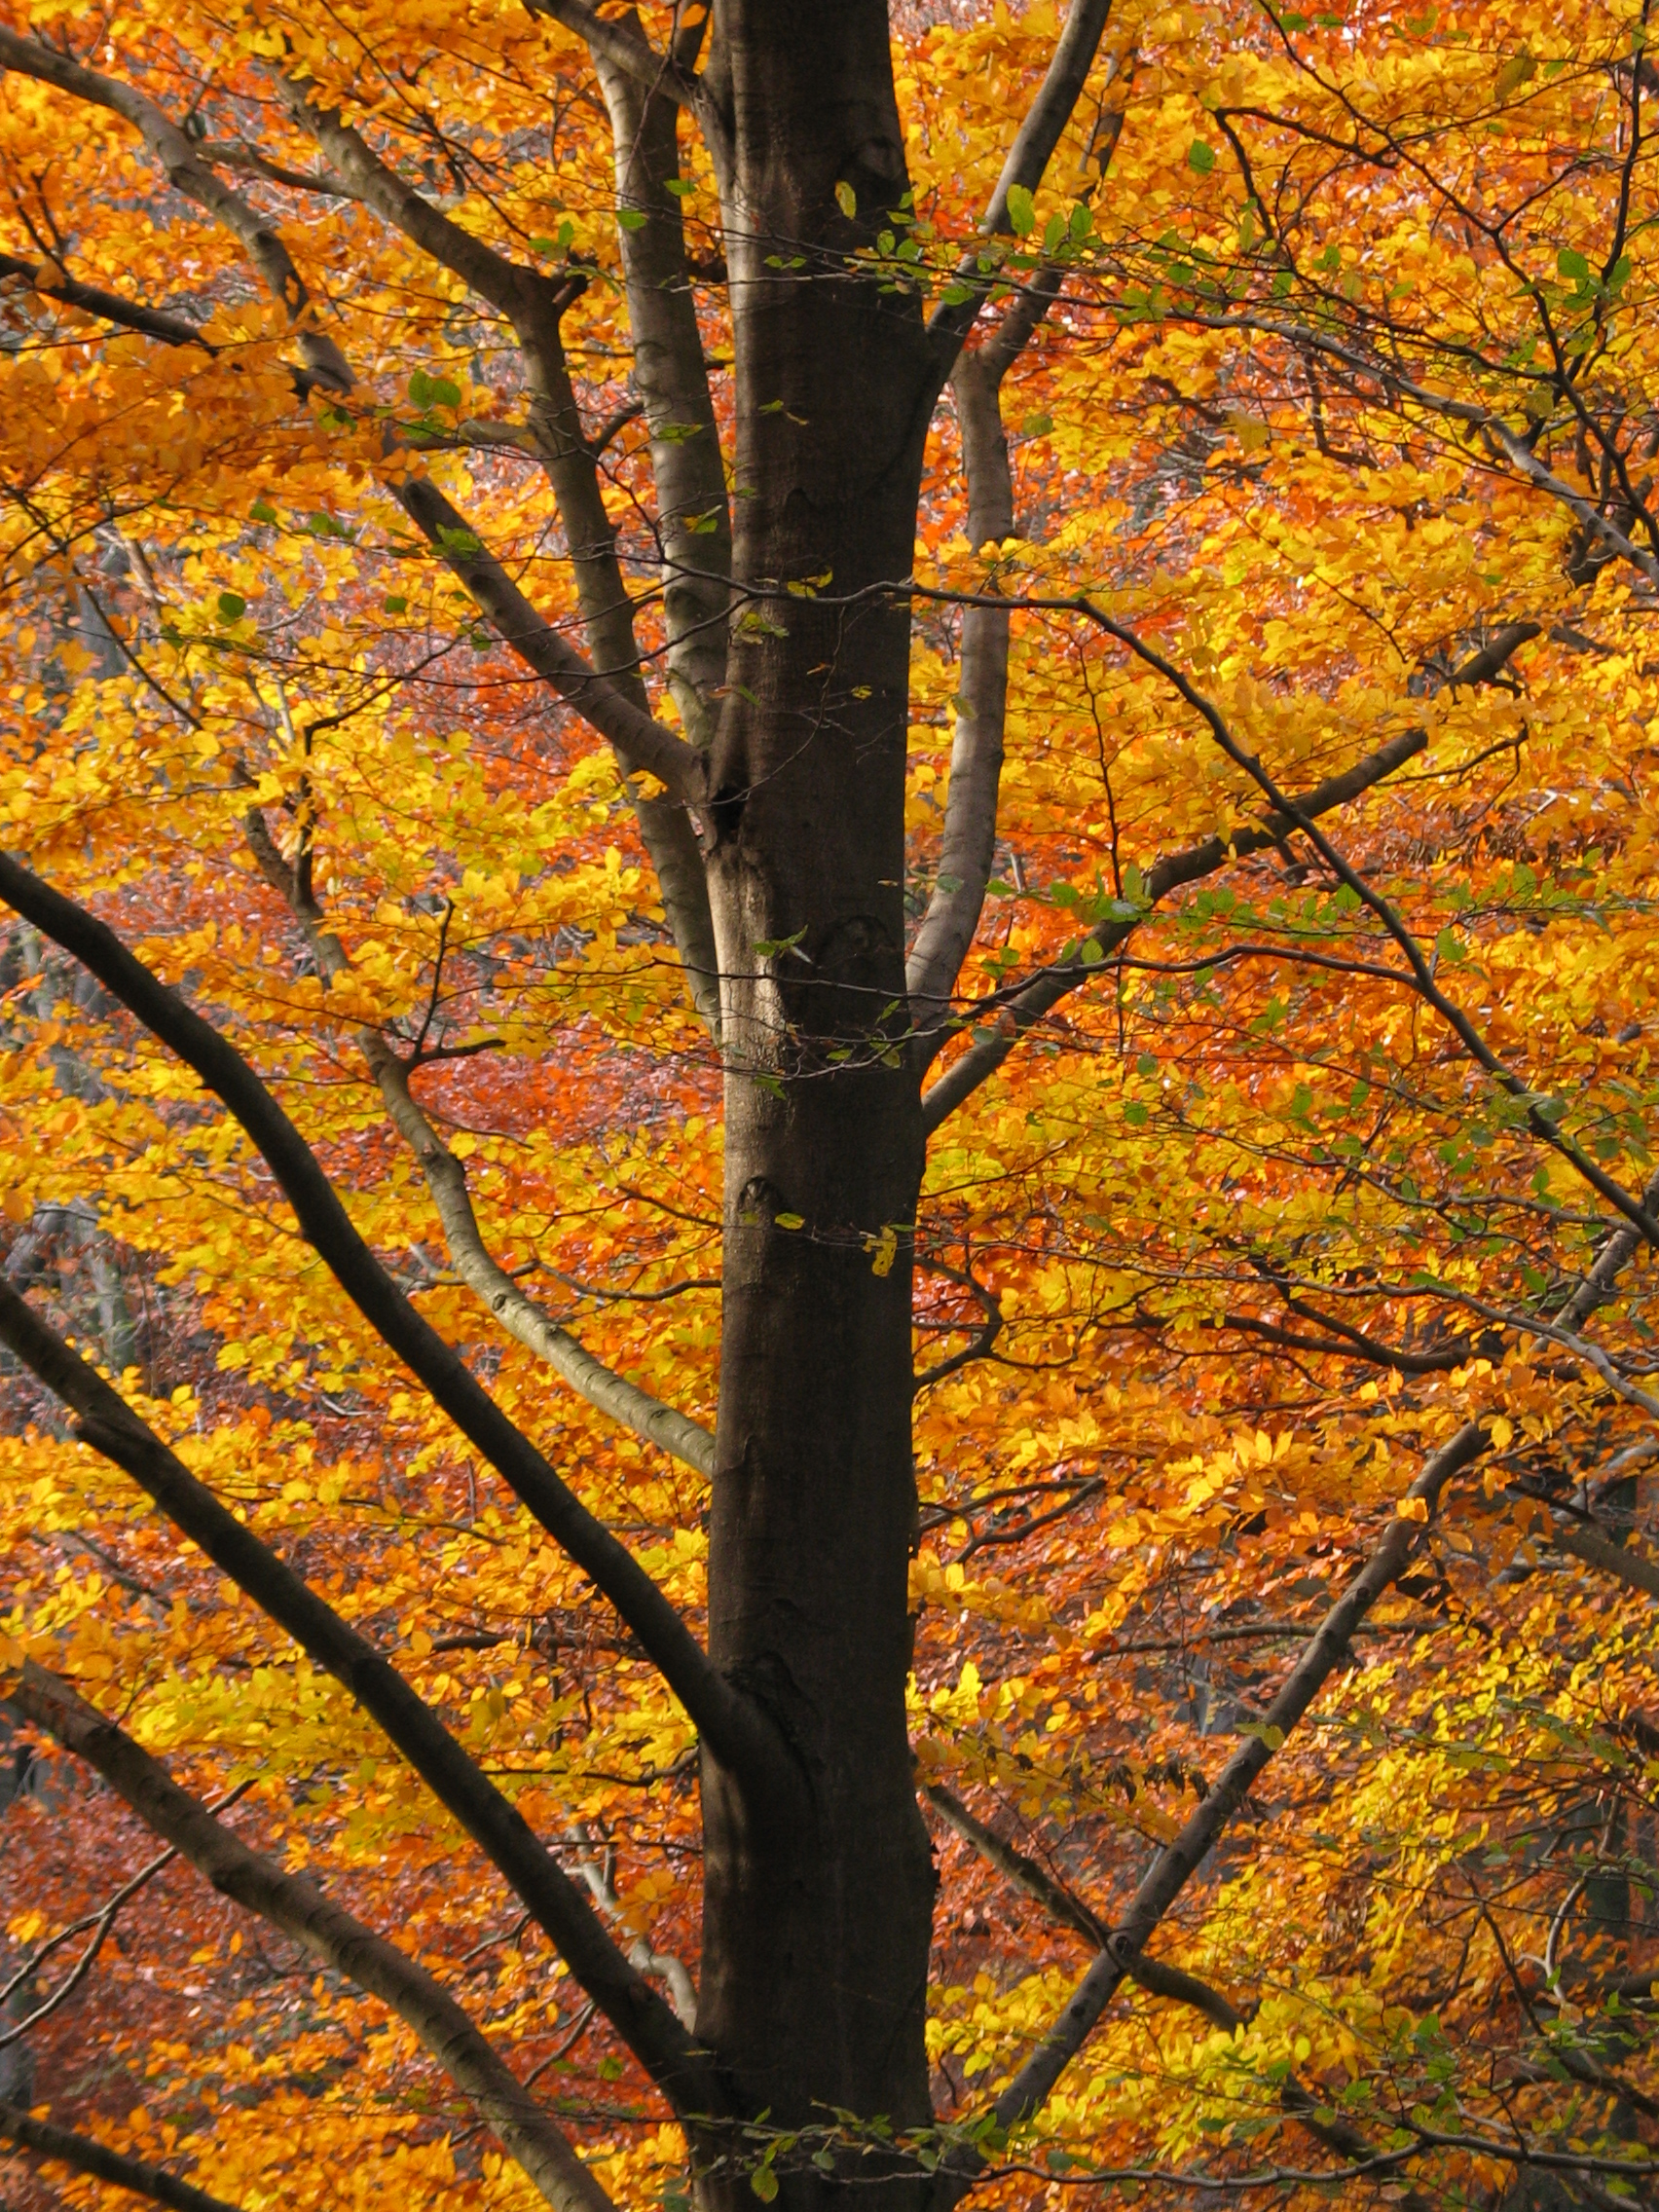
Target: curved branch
(108, 1424)
(734, 1730)
(100, 1923)
(446, 1179)
(326, 1928)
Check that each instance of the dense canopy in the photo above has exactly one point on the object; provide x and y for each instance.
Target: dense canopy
(488, 928)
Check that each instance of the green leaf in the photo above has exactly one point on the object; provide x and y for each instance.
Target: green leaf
(764, 2183)
(769, 946)
(1036, 425)
(1572, 264)
(632, 218)
(1201, 157)
(232, 605)
(1517, 71)
(1022, 213)
(262, 511)
(1136, 1115)
(394, 602)
(789, 1220)
(678, 187)
(847, 200)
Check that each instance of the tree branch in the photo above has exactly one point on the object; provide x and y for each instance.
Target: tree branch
(534, 304)
(181, 162)
(1027, 159)
(1154, 1975)
(109, 1425)
(251, 1880)
(734, 1730)
(1170, 1872)
(87, 2156)
(446, 1179)
(50, 282)
(619, 44)
(639, 739)
(1039, 998)
(693, 514)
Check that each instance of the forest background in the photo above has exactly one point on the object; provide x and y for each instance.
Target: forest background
(1276, 880)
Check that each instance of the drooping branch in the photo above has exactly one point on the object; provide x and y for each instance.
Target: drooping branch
(1175, 1866)
(109, 1425)
(1038, 998)
(1540, 1124)
(733, 1728)
(86, 2155)
(484, 1276)
(296, 1906)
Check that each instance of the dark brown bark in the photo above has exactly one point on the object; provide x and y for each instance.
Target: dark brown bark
(815, 1925)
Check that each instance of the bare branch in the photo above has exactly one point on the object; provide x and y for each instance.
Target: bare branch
(640, 1953)
(329, 1932)
(1598, 1551)
(105, 1422)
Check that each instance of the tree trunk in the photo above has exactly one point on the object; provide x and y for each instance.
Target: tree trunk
(817, 1915)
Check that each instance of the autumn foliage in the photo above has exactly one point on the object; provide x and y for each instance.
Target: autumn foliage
(1298, 1076)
